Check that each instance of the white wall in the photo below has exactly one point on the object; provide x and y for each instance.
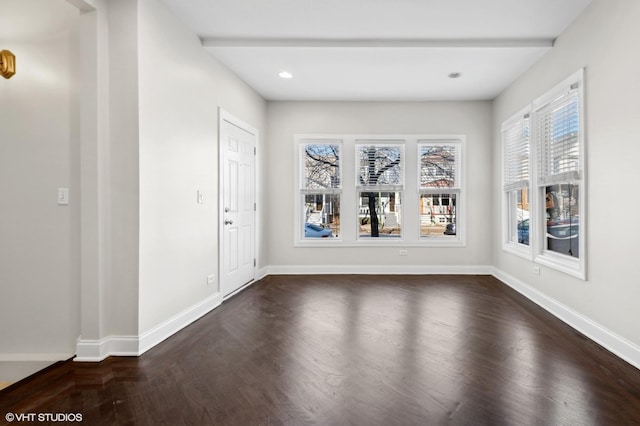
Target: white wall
(289, 118)
(39, 152)
(123, 160)
(181, 89)
(604, 40)
(163, 97)
(136, 140)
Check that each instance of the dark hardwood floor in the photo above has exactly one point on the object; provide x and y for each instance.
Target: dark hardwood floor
(353, 350)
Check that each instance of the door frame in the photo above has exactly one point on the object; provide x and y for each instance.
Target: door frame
(224, 115)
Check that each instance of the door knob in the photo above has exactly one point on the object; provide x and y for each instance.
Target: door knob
(228, 222)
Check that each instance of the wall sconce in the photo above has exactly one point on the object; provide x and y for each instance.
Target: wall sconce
(7, 64)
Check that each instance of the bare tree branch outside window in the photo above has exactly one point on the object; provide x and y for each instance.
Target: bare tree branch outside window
(322, 166)
(379, 165)
(321, 186)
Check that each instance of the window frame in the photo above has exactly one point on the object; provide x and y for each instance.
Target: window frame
(409, 215)
(397, 187)
(569, 265)
(303, 191)
(511, 186)
(537, 250)
(457, 189)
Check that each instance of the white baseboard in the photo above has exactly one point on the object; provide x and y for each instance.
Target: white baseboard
(262, 273)
(98, 350)
(614, 343)
(380, 269)
(176, 323)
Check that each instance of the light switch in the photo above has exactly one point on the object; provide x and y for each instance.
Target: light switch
(200, 197)
(63, 196)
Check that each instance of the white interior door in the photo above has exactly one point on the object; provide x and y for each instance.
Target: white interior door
(237, 180)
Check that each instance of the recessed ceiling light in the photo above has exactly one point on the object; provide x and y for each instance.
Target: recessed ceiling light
(285, 74)
(455, 75)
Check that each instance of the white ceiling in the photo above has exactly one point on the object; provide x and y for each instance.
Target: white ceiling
(378, 49)
(356, 49)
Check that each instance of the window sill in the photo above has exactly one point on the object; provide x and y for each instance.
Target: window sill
(564, 264)
(520, 250)
(439, 243)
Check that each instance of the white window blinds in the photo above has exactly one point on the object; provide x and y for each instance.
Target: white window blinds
(439, 166)
(515, 141)
(379, 167)
(558, 135)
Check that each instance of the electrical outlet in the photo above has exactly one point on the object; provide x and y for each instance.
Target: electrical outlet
(211, 279)
(402, 252)
(63, 196)
(536, 270)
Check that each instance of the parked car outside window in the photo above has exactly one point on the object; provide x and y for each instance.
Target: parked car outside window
(451, 229)
(311, 230)
(523, 232)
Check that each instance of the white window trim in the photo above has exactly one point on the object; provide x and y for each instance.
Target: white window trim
(348, 236)
(566, 264)
(458, 141)
(401, 187)
(522, 250)
(299, 192)
(576, 267)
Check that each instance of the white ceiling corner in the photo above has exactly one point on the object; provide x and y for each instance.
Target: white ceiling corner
(378, 49)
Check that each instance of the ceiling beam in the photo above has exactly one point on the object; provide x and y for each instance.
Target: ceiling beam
(83, 5)
(369, 43)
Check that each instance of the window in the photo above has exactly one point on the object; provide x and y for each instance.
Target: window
(439, 188)
(360, 190)
(379, 185)
(516, 182)
(551, 221)
(560, 176)
(320, 189)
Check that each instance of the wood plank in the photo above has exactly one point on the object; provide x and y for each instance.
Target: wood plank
(353, 350)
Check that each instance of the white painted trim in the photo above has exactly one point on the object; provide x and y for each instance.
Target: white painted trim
(213, 42)
(614, 343)
(349, 192)
(168, 328)
(380, 269)
(98, 350)
(35, 357)
(524, 251)
(437, 242)
(239, 290)
(262, 273)
(518, 249)
(562, 263)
